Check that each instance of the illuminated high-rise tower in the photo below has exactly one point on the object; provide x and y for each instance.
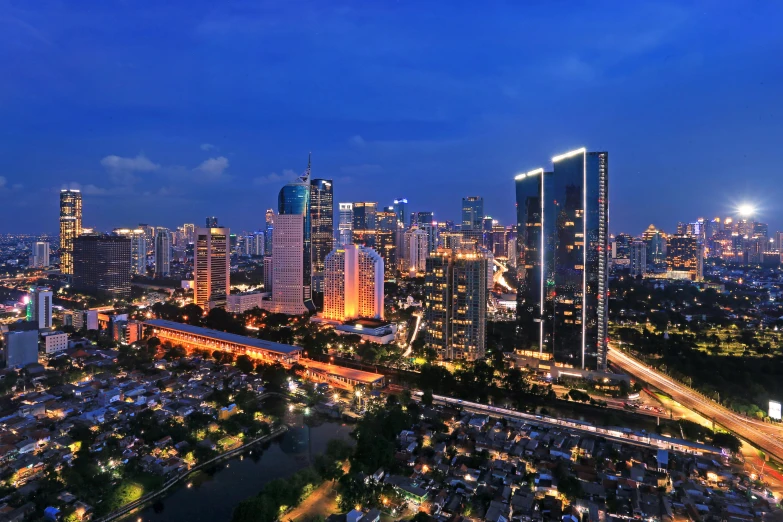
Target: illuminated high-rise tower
(322, 222)
(212, 267)
(162, 252)
(353, 284)
(563, 257)
(291, 249)
(345, 224)
(70, 226)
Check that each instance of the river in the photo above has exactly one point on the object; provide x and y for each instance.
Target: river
(213, 495)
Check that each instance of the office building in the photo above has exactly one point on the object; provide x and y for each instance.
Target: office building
(162, 252)
(211, 270)
(322, 222)
(40, 254)
(39, 306)
(425, 217)
(563, 245)
(211, 222)
(416, 250)
(638, 258)
(243, 301)
(385, 240)
(472, 219)
(138, 252)
(456, 305)
(685, 255)
(102, 265)
(532, 272)
(269, 230)
(353, 284)
(400, 206)
(364, 223)
(621, 249)
(499, 241)
(189, 229)
(254, 244)
(656, 246)
(70, 226)
(20, 344)
(580, 328)
(291, 249)
(54, 342)
(345, 224)
(149, 239)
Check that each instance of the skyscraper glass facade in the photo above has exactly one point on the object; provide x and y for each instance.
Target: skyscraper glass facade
(294, 199)
(322, 221)
(70, 226)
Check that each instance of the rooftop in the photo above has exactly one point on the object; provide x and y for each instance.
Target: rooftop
(342, 371)
(225, 337)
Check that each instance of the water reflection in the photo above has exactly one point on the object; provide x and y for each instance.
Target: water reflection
(216, 491)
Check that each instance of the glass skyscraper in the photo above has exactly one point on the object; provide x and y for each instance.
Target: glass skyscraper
(70, 226)
(400, 204)
(322, 222)
(294, 200)
(567, 282)
(364, 223)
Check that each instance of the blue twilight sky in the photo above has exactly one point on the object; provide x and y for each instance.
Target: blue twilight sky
(164, 112)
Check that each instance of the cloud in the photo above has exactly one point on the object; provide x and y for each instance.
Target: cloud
(138, 164)
(275, 178)
(357, 141)
(207, 146)
(2, 181)
(365, 169)
(212, 169)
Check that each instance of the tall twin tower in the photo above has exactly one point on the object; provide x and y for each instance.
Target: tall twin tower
(562, 259)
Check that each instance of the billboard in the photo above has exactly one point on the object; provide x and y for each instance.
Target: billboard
(774, 410)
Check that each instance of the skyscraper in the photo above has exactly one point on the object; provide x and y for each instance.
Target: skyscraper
(638, 258)
(353, 283)
(656, 245)
(322, 221)
(162, 252)
(566, 279)
(70, 226)
(456, 305)
(385, 234)
(39, 307)
(138, 252)
(621, 249)
(269, 230)
(211, 222)
(365, 222)
(415, 252)
(102, 265)
(531, 274)
(291, 249)
(345, 224)
(685, 254)
(212, 267)
(472, 212)
(189, 230)
(581, 188)
(400, 205)
(425, 217)
(41, 254)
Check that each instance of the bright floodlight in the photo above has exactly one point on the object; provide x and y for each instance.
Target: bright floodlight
(746, 210)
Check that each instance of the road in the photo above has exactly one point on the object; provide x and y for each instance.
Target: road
(760, 435)
(409, 349)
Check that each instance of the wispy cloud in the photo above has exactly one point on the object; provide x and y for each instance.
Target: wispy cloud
(274, 177)
(207, 147)
(357, 141)
(365, 169)
(212, 169)
(139, 164)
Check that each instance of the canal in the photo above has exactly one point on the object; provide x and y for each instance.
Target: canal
(212, 495)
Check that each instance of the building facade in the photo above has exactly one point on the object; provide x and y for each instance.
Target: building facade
(365, 223)
(353, 284)
(138, 239)
(41, 254)
(101, 265)
(211, 271)
(70, 226)
(685, 254)
(345, 224)
(456, 305)
(39, 307)
(162, 252)
(322, 222)
(385, 240)
(416, 250)
(638, 258)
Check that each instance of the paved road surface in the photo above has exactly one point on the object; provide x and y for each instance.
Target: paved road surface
(755, 433)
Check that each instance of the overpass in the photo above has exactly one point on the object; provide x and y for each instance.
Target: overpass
(757, 434)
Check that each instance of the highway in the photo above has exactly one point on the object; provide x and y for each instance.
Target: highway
(753, 432)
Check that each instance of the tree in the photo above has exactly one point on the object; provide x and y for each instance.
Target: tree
(245, 364)
(426, 398)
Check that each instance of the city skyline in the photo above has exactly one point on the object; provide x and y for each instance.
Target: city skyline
(414, 119)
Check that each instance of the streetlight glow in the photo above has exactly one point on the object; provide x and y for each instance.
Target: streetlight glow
(746, 209)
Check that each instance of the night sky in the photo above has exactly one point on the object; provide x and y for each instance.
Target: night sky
(164, 112)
